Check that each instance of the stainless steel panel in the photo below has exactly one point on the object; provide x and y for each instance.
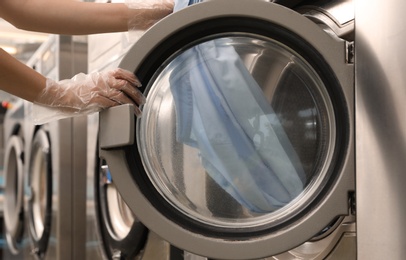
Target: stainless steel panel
(61, 145)
(381, 128)
(79, 151)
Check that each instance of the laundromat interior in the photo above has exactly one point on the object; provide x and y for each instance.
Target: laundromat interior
(272, 130)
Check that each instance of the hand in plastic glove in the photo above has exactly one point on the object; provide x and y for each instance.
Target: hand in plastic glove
(144, 14)
(84, 94)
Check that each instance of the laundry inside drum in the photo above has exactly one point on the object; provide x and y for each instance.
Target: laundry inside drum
(237, 131)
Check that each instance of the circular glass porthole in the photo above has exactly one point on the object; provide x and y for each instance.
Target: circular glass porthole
(40, 181)
(238, 132)
(13, 193)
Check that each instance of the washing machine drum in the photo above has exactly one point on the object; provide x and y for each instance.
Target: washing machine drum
(14, 193)
(243, 149)
(40, 186)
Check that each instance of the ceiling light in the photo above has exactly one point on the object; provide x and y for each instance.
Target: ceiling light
(10, 49)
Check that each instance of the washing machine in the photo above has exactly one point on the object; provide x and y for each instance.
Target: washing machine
(113, 231)
(245, 148)
(53, 153)
(14, 225)
(6, 104)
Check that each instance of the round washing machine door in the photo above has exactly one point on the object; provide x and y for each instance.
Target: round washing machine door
(244, 149)
(14, 193)
(122, 234)
(40, 184)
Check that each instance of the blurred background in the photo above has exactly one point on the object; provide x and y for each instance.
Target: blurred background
(19, 43)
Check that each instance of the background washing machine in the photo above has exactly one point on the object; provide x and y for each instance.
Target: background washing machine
(49, 218)
(16, 245)
(113, 231)
(196, 167)
(6, 104)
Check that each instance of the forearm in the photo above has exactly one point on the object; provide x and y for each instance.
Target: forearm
(73, 17)
(18, 79)
(65, 17)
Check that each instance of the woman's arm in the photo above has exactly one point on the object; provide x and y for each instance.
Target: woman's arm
(19, 79)
(81, 94)
(74, 18)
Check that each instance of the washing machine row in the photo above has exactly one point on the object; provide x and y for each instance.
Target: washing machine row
(245, 148)
(41, 218)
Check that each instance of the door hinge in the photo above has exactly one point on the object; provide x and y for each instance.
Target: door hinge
(349, 52)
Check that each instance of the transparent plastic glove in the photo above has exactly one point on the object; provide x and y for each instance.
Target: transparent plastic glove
(145, 13)
(88, 93)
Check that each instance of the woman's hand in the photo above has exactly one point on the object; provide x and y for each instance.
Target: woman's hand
(144, 14)
(88, 93)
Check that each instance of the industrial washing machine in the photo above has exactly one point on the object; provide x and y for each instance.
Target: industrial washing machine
(113, 231)
(49, 154)
(6, 104)
(14, 225)
(245, 148)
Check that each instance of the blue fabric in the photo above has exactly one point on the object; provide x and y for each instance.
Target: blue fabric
(223, 113)
(108, 176)
(194, 1)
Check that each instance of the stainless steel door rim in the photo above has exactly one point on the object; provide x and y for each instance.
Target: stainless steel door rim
(223, 239)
